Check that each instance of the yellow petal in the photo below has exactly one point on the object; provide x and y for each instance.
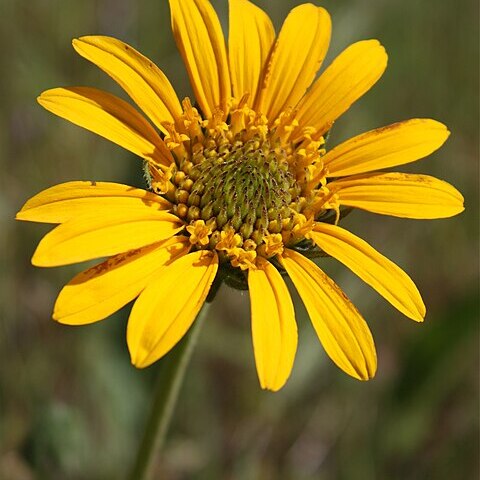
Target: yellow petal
(400, 195)
(297, 56)
(109, 117)
(69, 200)
(251, 36)
(137, 75)
(199, 38)
(102, 233)
(103, 289)
(274, 329)
(339, 326)
(396, 144)
(166, 309)
(372, 267)
(349, 76)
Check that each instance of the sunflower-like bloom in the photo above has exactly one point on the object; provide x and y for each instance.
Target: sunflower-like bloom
(241, 187)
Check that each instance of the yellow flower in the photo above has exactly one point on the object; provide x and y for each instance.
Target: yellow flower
(242, 181)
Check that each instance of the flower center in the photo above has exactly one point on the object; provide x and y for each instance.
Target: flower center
(241, 185)
(246, 188)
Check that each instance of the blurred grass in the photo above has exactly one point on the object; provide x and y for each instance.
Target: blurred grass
(72, 407)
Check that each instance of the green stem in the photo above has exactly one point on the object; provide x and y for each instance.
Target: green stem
(170, 379)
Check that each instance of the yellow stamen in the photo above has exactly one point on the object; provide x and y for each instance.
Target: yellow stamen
(199, 233)
(160, 182)
(229, 240)
(273, 245)
(241, 258)
(302, 226)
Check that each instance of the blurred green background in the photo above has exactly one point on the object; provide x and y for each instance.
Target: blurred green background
(71, 405)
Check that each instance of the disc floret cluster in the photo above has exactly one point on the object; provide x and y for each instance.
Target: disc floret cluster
(242, 187)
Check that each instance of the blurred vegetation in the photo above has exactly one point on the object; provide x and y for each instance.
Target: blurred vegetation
(72, 407)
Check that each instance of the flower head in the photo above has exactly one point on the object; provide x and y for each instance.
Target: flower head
(240, 180)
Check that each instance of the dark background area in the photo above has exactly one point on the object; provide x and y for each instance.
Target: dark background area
(72, 406)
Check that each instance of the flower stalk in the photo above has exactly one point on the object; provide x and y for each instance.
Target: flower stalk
(170, 379)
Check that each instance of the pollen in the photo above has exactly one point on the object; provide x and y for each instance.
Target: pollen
(243, 186)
